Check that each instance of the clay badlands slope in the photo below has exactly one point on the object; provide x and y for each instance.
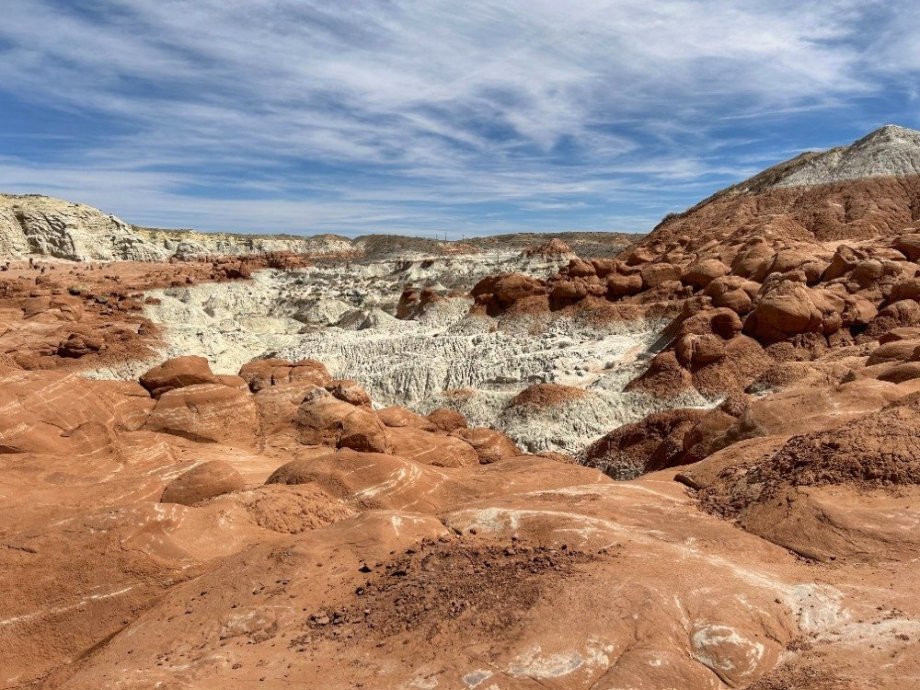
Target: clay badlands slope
(276, 529)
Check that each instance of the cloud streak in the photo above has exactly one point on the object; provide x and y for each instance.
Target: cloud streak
(428, 116)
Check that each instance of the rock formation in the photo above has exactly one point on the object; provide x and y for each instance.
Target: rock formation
(742, 390)
(182, 555)
(34, 225)
(811, 256)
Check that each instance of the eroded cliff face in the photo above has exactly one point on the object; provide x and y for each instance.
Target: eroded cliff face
(42, 226)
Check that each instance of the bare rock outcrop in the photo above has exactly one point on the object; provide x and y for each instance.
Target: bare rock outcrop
(261, 373)
(323, 419)
(210, 479)
(446, 419)
(207, 412)
(654, 443)
(177, 373)
(490, 445)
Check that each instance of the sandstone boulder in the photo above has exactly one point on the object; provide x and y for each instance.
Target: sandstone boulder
(350, 391)
(908, 288)
(261, 373)
(665, 377)
(497, 293)
(858, 311)
(845, 259)
(567, 292)
(78, 345)
(732, 292)
(725, 323)
(604, 267)
(900, 372)
(447, 420)
(580, 269)
(178, 373)
(654, 275)
(698, 350)
(554, 247)
(412, 301)
(233, 381)
(490, 445)
(895, 351)
(787, 309)
(278, 405)
(546, 395)
(428, 448)
(790, 259)
(905, 333)
(200, 483)
(754, 262)
(904, 313)
(325, 420)
(207, 412)
(701, 274)
(653, 443)
(396, 416)
(722, 322)
(866, 273)
(909, 246)
(619, 285)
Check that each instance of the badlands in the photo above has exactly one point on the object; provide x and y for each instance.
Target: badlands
(688, 460)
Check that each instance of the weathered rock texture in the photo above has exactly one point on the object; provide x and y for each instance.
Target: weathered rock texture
(811, 256)
(34, 225)
(268, 525)
(137, 552)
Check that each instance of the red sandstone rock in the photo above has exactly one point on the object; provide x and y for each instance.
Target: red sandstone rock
(200, 483)
(432, 449)
(654, 275)
(694, 351)
(260, 373)
(396, 416)
(349, 391)
(278, 405)
(787, 309)
(497, 293)
(622, 285)
(207, 412)
(490, 445)
(909, 246)
(554, 247)
(894, 351)
(177, 373)
(701, 274)
(446, 419)
(324, 420)
(545, 395)
(654, 443)
(80, 344)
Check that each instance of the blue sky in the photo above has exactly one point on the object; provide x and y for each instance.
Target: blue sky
(434, 117)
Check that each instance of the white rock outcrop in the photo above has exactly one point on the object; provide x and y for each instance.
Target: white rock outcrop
(344, 317)
(888, 151)
(34, 225)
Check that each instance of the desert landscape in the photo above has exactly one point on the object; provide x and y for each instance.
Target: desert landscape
(688, 459)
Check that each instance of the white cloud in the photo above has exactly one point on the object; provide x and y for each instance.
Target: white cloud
(399, 112)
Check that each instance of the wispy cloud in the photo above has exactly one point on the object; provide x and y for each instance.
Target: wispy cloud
(392, 115)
